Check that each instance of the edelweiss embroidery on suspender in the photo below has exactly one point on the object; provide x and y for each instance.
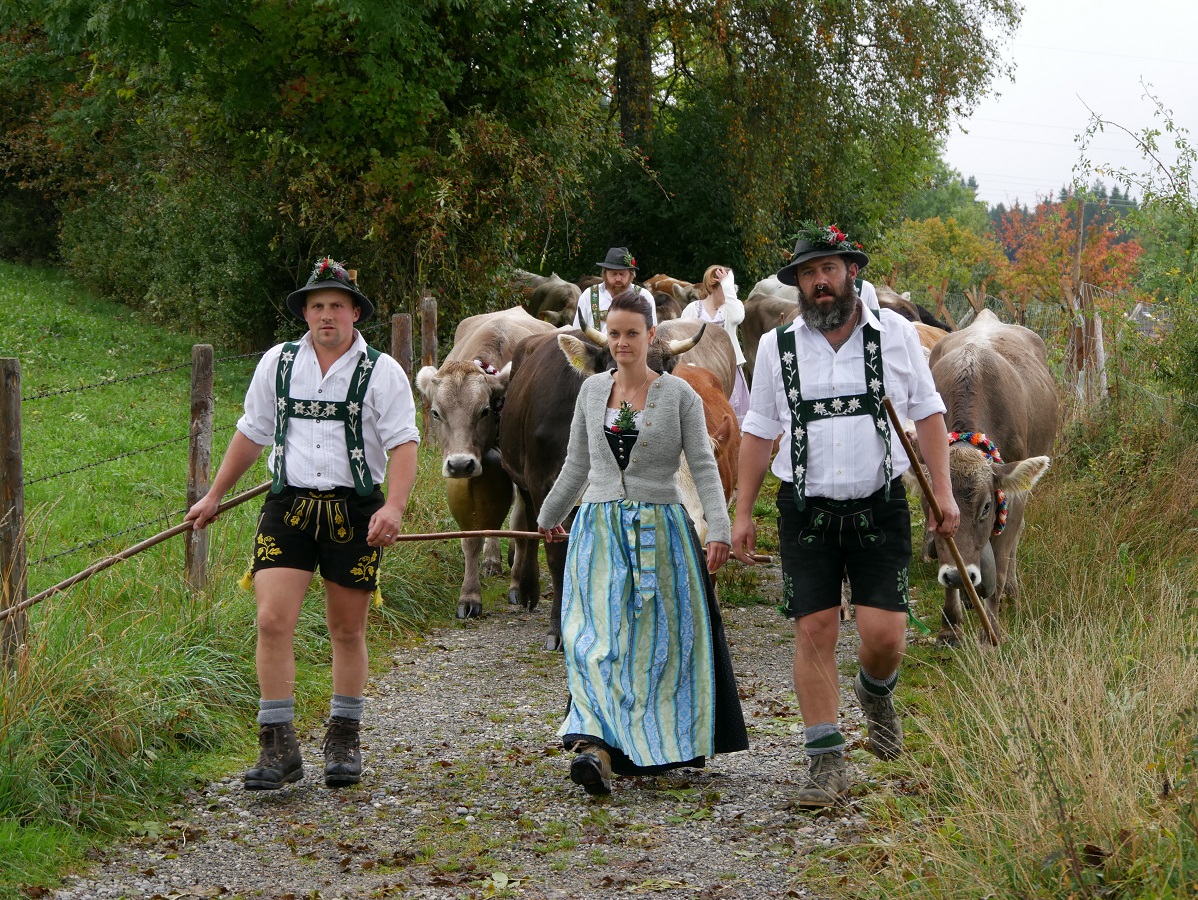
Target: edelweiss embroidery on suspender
(803, 412)
(596, 322)
(348, 411)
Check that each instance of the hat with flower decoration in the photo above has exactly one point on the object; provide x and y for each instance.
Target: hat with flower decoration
(618, 258)
(328, 273)
(815, 240)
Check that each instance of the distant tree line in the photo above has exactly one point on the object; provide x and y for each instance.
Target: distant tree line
(193, 160)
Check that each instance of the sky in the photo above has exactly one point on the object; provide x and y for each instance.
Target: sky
(1019, 142)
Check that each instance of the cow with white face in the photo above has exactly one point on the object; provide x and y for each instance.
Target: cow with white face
(1002, 419)
(465, 398)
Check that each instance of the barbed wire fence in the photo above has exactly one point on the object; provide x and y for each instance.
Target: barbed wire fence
(14, 565)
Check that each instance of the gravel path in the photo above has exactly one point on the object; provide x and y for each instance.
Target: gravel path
(466, 794)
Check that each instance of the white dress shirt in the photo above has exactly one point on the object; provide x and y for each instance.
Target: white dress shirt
(582, 316)
(317, 456)
(844, 453)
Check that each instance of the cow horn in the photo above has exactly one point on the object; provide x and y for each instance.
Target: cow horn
(683, 344)
(595, 336)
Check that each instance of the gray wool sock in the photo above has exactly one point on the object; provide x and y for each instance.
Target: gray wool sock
(347, 707)
(276, 712)
(880, 687)
(823, 737)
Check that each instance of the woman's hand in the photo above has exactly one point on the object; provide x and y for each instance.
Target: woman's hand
(556, 533)
(717, 555)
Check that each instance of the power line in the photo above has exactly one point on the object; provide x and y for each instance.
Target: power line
(1090, 52)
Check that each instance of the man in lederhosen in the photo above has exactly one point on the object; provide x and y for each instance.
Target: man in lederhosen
(818, 385)
(617, 270)
(339, 418)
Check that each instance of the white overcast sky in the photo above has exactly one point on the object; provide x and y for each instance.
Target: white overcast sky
(1070, 54)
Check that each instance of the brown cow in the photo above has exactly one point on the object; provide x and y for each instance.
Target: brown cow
(464, 403)
(714, 353)
(994, 379)
(667, 306)
(554, 301)
(724, 432)
(547, 371)
(664, 283)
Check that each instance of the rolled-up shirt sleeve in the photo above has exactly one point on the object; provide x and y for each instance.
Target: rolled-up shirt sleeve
(257, 422)
(923, 399)
(390, 395)
(765, 419)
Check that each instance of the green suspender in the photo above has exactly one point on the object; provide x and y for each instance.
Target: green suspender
(594, 291)
(803, 412)
(348, 411)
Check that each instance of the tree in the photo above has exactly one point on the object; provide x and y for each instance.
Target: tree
(945, 194)
(920, 254)
(1041, 245)
(432, 143)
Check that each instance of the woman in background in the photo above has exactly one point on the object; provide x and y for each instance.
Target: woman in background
(718, 304)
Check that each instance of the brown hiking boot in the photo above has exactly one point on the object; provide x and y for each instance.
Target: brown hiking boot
(279, 760)
(885, 737)
(342, 752)
(591, 768)
(827, 782)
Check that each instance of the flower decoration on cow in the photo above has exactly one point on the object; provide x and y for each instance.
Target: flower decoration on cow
(826, 236)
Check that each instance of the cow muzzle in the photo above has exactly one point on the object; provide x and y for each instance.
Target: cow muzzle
(950, 576)
(461, 465)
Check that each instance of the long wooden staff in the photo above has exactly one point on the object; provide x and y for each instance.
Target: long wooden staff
(917, 468)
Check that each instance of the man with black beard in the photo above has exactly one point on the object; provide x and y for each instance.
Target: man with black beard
(818, 387)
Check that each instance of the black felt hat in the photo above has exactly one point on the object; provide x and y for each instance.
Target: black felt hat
(327, 274)
(817, 240)
(618, 258)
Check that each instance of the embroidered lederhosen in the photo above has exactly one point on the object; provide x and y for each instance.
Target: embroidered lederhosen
(314, 509)
(803, 412)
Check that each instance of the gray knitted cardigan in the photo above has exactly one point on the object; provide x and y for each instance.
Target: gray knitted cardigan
(671, 423)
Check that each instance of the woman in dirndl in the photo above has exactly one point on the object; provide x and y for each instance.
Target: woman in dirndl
(650, 678)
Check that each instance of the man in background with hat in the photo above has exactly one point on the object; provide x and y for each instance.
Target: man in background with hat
(617, 271)
(339, 418)
(818, 386)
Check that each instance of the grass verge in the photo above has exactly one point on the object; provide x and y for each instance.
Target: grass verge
(131, 688)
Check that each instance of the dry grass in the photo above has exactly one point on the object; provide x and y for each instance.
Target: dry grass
(1062, 764)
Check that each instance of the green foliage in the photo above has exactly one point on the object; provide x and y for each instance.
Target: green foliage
(210, 157)
(1166, 222)
(945, 194)
(921, 254)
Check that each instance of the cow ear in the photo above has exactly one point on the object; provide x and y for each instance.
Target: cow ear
(1017, 478)
(680, 293)
(426, 380)
(499, 380)
(576, 353)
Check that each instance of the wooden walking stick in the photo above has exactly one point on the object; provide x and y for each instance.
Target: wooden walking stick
(917, 468)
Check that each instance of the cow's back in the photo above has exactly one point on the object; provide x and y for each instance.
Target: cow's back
(995, 378)
(494, 336)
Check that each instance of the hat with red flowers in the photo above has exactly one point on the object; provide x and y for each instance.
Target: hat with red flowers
(328, 273)
(815, 240)
(618, 258)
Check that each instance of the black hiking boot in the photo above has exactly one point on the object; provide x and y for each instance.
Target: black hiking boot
(591, 768)
(279, 760)
(342, 752)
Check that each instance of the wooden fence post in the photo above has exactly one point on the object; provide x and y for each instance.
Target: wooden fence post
(199, 460)
(14, 629)
(401, 341)
(428, 330)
